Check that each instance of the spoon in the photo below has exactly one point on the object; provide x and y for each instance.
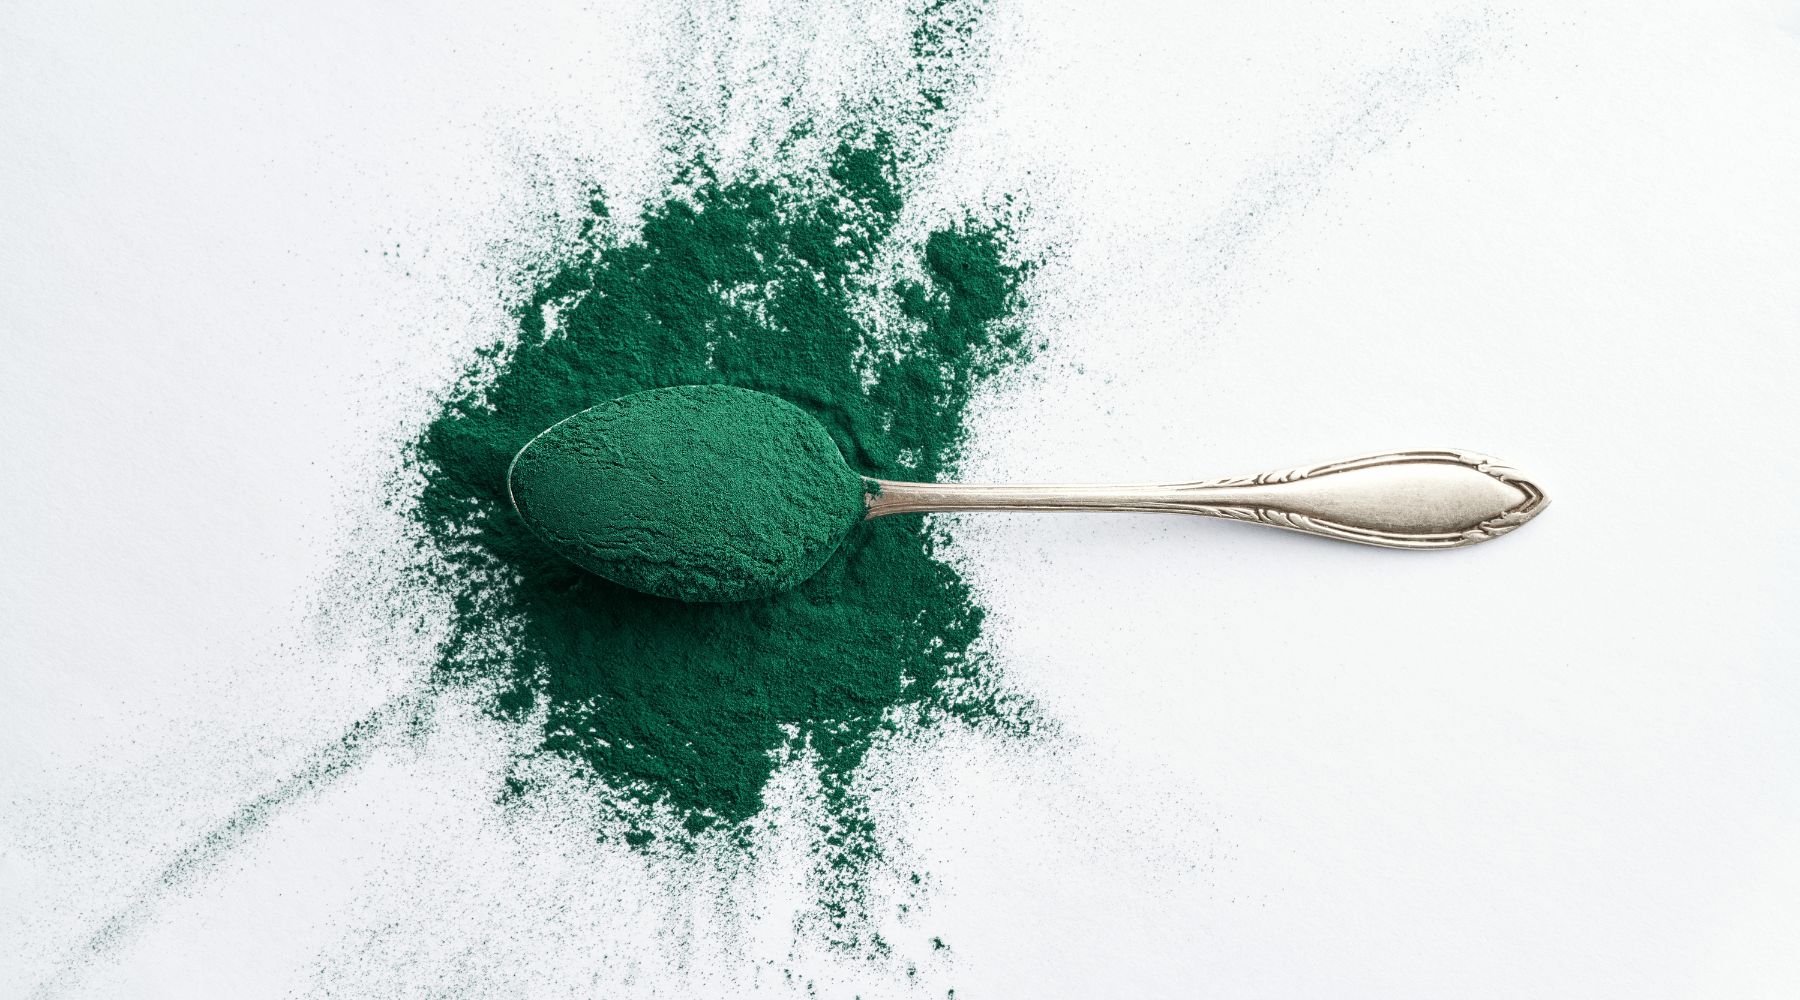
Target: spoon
(1420, 499)
(716, 493)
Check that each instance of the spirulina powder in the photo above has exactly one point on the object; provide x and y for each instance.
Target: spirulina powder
(682, 708)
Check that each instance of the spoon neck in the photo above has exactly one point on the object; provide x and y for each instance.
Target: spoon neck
(910, 498)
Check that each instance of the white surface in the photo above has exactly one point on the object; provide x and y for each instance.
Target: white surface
(1564, 764)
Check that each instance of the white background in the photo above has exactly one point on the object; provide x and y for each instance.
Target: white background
(242, 248)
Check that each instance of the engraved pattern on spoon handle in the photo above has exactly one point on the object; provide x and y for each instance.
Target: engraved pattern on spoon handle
(1422, 499)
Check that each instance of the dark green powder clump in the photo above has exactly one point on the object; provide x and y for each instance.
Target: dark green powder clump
(699, 492)
(753, 283)
(759, 283)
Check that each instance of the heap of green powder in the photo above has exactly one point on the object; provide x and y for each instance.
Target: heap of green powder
(698, 493)
(682, 703)
(686, 708)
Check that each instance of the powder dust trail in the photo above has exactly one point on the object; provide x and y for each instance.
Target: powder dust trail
(1374, 107)
(1199, 243)
(202, 857)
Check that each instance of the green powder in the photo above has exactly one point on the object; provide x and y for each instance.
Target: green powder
(700, 492)
(682, 703)
(683, 710)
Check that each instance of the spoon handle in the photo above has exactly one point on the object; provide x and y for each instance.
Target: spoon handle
(1397, 499)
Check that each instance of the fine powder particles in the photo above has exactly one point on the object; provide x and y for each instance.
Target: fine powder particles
(677, 712)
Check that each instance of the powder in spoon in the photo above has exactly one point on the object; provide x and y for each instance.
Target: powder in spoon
(696, 492)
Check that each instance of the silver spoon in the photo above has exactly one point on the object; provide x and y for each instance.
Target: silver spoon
(712, 493)
(1397, 499)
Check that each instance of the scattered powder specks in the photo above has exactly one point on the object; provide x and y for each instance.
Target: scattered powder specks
(678, 713)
